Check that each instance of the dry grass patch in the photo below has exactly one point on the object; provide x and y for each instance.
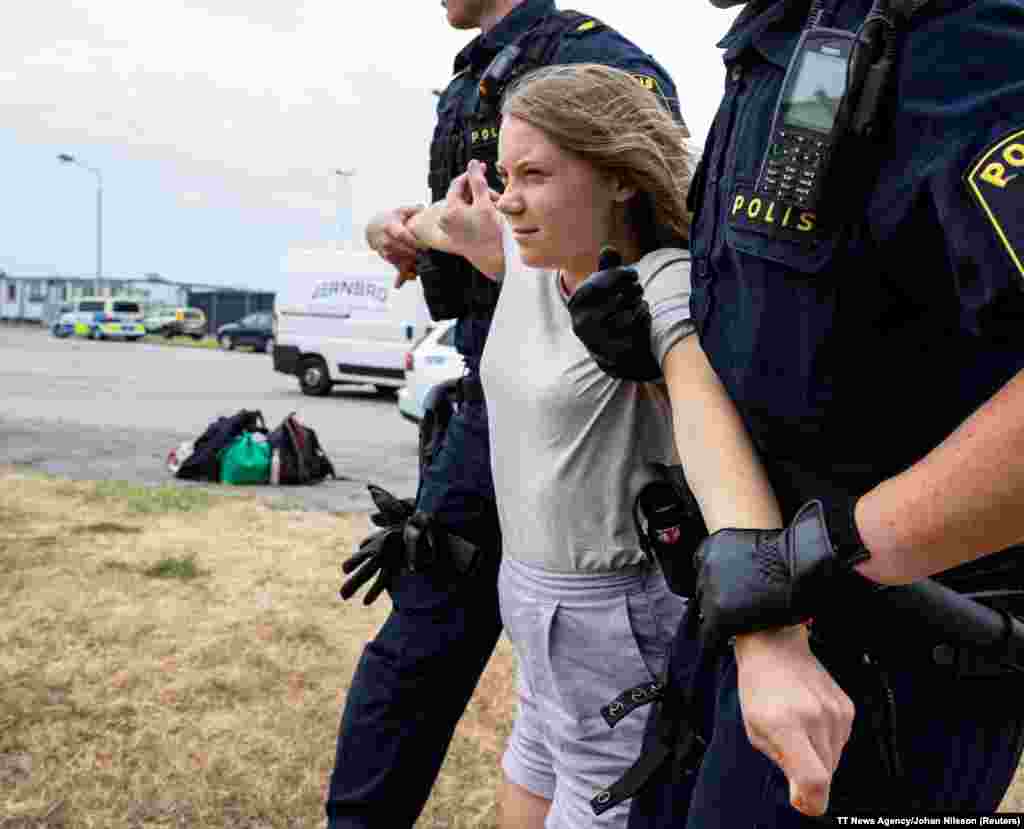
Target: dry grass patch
(172, 657)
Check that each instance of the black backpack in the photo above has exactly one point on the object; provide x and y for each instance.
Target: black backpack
(203, 464)
(296, 455)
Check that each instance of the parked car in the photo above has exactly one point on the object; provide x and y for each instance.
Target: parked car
(63, 321)
(432, 361)
(101, 317)
(176, 322)
(256, 330)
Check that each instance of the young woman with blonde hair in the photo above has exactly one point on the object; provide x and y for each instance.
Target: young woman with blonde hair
(589, 158)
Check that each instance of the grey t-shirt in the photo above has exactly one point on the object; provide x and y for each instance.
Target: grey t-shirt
(570, 446)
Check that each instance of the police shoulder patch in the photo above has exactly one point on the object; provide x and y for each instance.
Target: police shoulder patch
(649, 82)
(996, 182)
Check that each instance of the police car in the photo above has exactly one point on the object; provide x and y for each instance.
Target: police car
(100, 318)
(432, 361)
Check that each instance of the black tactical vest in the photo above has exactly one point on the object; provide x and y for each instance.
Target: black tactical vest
(451, 286)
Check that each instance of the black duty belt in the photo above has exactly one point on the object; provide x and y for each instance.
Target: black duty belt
(470, 390)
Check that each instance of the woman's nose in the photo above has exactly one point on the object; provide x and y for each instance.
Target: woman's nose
(509, 202)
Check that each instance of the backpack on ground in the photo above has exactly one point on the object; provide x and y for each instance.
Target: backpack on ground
(246, 460)
(204, 462)
(296, 455)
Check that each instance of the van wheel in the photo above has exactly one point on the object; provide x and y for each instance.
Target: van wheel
(313, 377)
(387, 391)
(226, 342)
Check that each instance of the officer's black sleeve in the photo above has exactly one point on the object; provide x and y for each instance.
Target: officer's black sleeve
(956, 172)
(610, 48)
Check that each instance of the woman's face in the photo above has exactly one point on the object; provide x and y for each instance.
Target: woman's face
(560, 207)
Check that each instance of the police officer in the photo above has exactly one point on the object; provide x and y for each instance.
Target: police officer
(416, 677)
(871, 333)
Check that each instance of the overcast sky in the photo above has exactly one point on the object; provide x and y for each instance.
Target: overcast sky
(217, 123)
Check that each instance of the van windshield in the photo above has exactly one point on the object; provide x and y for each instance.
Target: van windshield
(126, 307)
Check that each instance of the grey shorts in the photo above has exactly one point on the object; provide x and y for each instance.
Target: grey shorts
(581, 640)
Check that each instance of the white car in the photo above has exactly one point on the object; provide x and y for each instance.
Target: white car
(432, 361)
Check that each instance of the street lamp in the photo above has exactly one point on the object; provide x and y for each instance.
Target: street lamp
(64, 158)
(347, 176)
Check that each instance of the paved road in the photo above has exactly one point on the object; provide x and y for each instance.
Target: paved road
(112, 410)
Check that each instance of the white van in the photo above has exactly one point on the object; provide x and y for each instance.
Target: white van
(340, 320)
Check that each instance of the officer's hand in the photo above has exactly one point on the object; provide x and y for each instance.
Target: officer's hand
(421, 539)
(381, 555)
(793, 712)
(387, 234)
(750, 580)
(392, 511)
(471, 220)
(612, 319)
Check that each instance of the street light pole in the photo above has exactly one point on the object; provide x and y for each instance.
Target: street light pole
(64, 158)
(346, 175)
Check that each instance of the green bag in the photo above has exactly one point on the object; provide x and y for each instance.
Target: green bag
(246, 460)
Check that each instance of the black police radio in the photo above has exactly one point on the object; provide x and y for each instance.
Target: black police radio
(832, 111)
(803, 127)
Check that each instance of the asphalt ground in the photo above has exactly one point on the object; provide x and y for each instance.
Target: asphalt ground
(112, 410)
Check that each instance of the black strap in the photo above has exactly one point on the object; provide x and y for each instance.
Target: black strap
(676, 737)
(628, 701)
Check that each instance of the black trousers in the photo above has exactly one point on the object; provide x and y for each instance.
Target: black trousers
(414, 680)
(959, 740)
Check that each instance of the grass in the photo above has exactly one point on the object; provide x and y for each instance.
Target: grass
(181, 661)
(187, 342)
(182, 341)
(146, 500)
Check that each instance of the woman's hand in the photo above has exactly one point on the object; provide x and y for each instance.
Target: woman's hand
(793, 711)
(471, 222)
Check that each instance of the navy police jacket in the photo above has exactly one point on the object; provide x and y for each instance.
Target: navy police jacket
(590, 45)
(852, 354)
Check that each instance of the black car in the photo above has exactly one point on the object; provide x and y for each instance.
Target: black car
(256, 330)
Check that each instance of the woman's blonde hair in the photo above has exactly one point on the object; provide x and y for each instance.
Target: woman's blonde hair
(608, 118)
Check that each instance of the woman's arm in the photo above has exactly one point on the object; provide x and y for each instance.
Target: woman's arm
(793, 710)
(466, 223)
(717, 454)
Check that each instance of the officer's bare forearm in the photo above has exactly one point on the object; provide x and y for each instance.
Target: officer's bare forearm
(717, 455)
(963, 500)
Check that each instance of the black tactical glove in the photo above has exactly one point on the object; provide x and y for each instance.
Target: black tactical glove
(383, 553)
(429, 546)
(421, 541)
(612, 319)
(750, 580)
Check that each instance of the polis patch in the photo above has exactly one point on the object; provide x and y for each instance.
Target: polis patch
(483, 133)
(996, 181)
(772, 216)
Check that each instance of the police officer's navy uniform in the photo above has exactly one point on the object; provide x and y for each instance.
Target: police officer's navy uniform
(415, 678)
(852, 350)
